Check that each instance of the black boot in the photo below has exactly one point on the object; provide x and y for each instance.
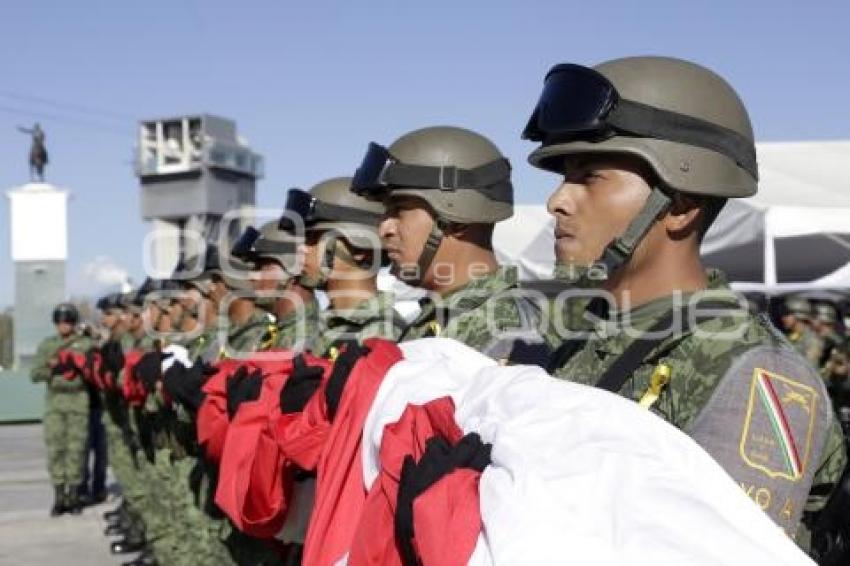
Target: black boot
(58, 501)
(99, 497)
(146, 558)
(117, 512)
(73, 504)
(130, 543)
(115, 529)
(122, 519)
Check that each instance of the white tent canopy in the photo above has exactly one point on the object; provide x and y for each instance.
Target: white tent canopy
(794, 234)
(527, 241)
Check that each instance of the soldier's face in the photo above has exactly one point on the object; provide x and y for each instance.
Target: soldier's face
(64, 328)
(599, 197)
(269, 274)
(190, 298)
(175, 311)
(134, 321)
(109, 319)
(789, 321)
(404, 231)
(311, 252)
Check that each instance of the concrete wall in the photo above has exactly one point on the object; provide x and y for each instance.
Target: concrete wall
(39, 287)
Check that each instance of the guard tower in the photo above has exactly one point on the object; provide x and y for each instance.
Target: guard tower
(193, 170)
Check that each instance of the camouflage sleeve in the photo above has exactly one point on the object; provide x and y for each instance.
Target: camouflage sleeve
(250, 340)
(831, 467)
(500, 332)
(812, 349)
(389, 327)
(824, 483)
(40, 371)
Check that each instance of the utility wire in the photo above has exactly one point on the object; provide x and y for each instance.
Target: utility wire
(105, 128)
(67, 106)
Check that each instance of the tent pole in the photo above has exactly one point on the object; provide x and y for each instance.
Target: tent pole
(770, 277)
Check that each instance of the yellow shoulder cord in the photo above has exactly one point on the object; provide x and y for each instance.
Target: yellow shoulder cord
(434, 328)
(659, 380)
(271, 334)
(333, 353)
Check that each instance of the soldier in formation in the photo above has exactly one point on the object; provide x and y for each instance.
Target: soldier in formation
(647, 149)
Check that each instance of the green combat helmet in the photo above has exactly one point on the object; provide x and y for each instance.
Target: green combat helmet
(683, 120)
(799, 307)
(269, 243)
(66, 312)
(825, 313)
(331, 207)
(460, 174)
(232, 269)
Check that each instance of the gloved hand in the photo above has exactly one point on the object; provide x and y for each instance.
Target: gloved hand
(439, 459)
(184, 384)
(350, 353)
(242, 386)
(57, 367)
(113, 357)
(68, 366)
(149, 369)
(301, 385)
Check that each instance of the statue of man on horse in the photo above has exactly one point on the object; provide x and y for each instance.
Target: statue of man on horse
(38, 152)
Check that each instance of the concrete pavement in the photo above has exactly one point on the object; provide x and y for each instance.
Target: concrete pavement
(28, 535)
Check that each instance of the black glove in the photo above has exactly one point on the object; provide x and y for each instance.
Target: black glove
(71, 366)
(241, 387)
(113, 357)
(184, 384)
(58, 369)
(350, 352)
(149, 369)
(439, 459)
(301, 385)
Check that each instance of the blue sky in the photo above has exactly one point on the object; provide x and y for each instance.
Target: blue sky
(310, 83)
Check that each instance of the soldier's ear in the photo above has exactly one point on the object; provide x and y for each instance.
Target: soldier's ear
(683, 217)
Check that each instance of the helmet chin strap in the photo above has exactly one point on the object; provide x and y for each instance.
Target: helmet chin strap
(620, 250)
(426, 257)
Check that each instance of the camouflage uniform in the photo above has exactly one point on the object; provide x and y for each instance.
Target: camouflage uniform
(255, 334)
(120, 458)
(808, 344)
(699, 365)
(371, 317)
(66, 411)
(298, 327)
(487, 314)
(122, 448)
(196, 537)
